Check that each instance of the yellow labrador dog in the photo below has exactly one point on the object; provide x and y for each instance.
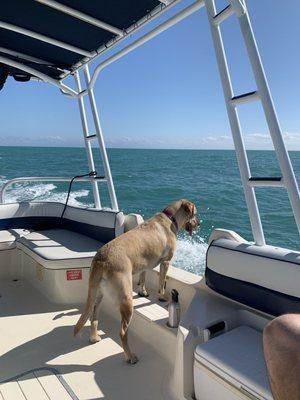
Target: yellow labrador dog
(144, 247)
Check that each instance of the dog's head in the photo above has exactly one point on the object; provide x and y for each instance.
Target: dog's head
(190, 211)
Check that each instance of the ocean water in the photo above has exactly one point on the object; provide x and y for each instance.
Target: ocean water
(147, 180)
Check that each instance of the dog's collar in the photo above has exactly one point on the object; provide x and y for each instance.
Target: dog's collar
(171, 218)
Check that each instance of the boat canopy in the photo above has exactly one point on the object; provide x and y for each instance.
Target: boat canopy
(56, 38)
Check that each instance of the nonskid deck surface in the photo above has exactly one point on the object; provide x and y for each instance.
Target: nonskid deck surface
(37, 334)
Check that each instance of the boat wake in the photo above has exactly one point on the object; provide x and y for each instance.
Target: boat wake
(190, 254)
(44, 192)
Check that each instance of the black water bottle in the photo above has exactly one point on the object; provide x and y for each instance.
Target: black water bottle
(174, 310)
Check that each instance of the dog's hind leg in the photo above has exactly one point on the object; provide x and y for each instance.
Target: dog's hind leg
(163, 269)
(94, 337)
(123, 284)
(126, 310)
(94, 282)
(142, 288)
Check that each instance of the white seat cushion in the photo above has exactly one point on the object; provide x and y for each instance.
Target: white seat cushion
(59, 248)
(236, 357)
(8, 237)
(265, 278)
(272, 267)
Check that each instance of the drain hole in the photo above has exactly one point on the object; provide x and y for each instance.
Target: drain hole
(15, 280)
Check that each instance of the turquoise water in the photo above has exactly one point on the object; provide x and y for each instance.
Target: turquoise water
(147, 180)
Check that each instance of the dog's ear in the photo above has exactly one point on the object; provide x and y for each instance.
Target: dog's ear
(189, 208)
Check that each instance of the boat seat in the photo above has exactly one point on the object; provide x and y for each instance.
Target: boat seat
(59, 248)
(265, 278)
(231, 366)
(9, 237)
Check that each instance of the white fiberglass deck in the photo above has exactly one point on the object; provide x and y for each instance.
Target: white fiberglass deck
(37, 334)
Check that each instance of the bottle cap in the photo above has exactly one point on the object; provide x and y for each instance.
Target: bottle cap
(174, 295)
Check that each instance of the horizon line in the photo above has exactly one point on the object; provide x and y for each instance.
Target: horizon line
(139, 148)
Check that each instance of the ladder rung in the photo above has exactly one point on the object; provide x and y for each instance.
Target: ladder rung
(222, 15)
(275, 181)
(90, 137)
(245, 98)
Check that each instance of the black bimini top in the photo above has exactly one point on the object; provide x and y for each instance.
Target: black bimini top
(55, 37)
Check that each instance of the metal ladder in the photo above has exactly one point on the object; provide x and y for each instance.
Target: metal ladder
(287, 180)
(89, 137)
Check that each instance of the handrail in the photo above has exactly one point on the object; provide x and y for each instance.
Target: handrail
(42, 179)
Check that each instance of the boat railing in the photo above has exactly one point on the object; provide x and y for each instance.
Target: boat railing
(11, 182)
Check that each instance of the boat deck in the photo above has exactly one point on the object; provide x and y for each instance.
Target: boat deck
(40, 355)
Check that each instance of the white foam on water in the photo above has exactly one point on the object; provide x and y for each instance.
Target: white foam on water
(43, 192)
(24, 192)
(190, 255)
(73, 199)
(2, 180)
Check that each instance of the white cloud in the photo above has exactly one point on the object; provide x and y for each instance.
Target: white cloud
(52, 140)
(225, 137)
(56, 138)
(263, 141)
(129, 142)
(211, 138)
(263, 136)
(253, 141)
(295, 137)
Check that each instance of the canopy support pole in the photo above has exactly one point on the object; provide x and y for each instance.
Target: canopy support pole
(283, 158)
(46, 39)
(239, 145)
(45, 78)
(88, 146)
(99, 136)
(81, 16)
(287, 180)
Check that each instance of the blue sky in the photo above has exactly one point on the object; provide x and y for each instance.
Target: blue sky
(167, 93)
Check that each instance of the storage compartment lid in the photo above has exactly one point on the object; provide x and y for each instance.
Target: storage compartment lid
(237, 357)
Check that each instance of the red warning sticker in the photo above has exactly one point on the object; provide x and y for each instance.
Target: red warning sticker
(74, 274)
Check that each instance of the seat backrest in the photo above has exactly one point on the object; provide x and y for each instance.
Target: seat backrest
(102, 225)
(263, 277)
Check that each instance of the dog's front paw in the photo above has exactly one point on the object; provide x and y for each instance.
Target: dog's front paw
(95, 339)
(132, 359)
(162, 297)
(143, 293)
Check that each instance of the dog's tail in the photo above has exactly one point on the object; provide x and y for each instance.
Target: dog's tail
(94, 282)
